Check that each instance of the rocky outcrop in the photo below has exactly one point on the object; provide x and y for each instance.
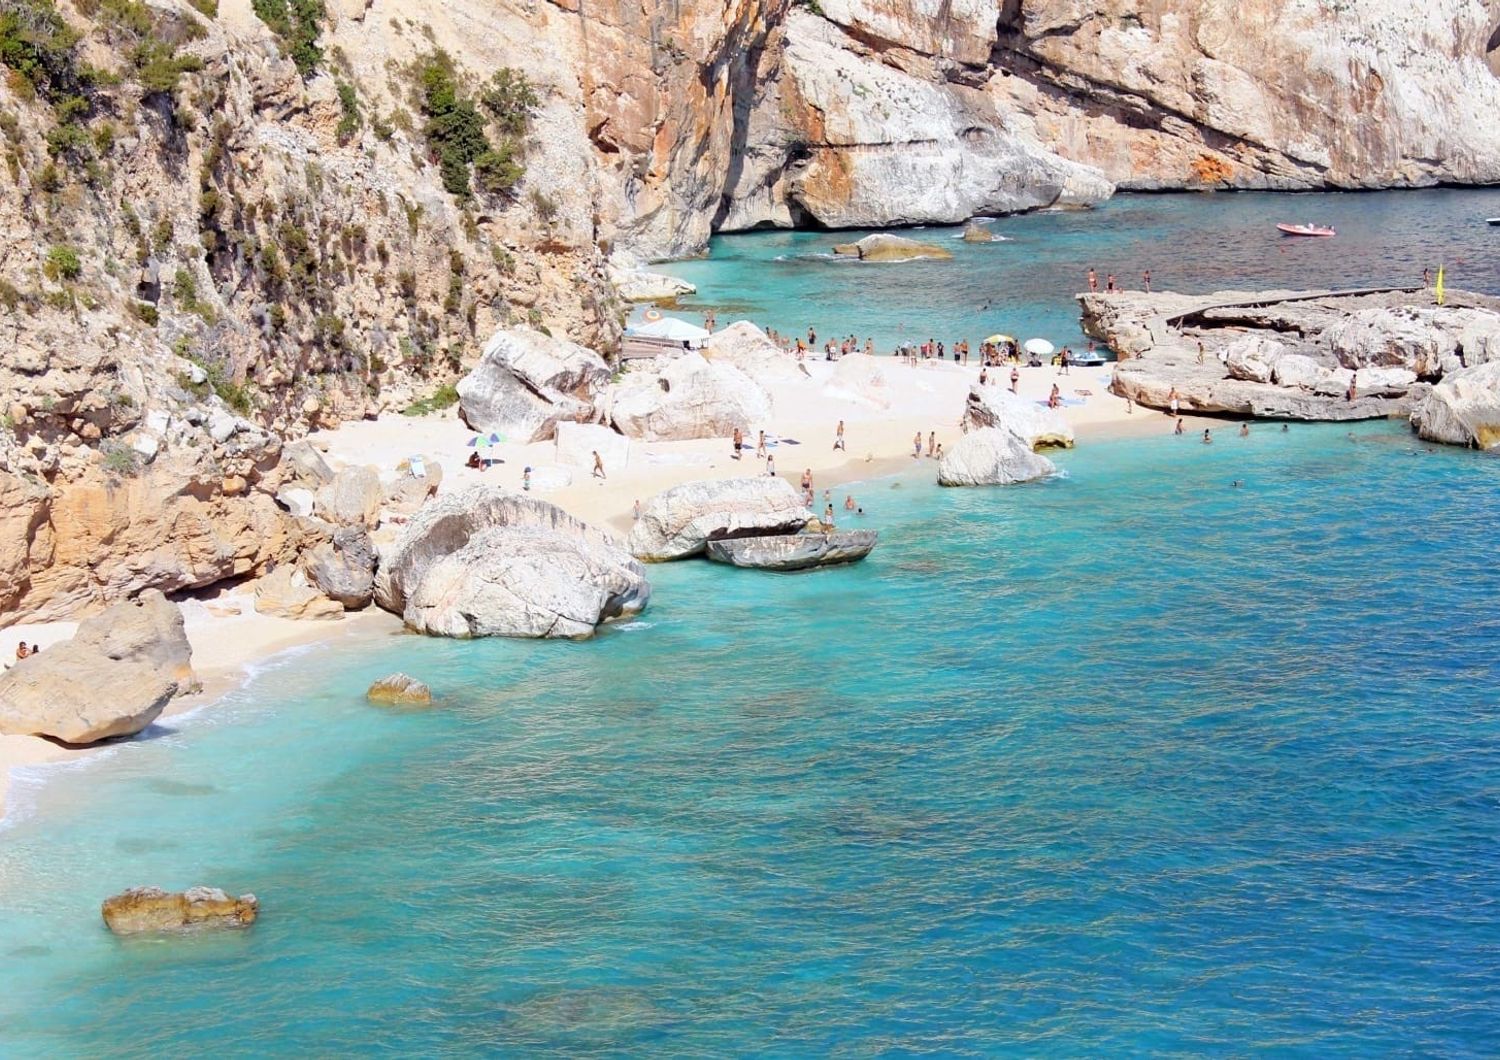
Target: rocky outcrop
(486, 563)
(113, 678)
(153, 911)
(343, 569)
(681, 521)
(792, 552)
(1035, 424)
(353, 497)
(885, 247)
(748, 348)
(636, 284)
(527, 382)
(1292, 355)
(1463, 409)
(686, 397)
(991, 456)
(974, 232)
(287, 593)
(399, 690)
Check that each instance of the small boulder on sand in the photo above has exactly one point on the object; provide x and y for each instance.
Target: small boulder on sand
(153, 911)
(399, 690)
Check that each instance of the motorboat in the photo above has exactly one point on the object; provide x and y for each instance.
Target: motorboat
(1087, 359)
(1304, 230)
(1495, 221)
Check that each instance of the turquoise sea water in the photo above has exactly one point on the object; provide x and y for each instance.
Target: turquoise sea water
(1131, 761)
(1024, 286)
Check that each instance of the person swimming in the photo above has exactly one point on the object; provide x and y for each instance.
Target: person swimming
(1208, 439)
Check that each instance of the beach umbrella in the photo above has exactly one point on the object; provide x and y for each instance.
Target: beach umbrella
(995, 340)
(1040, 347)
(484, 441)
(653, 314)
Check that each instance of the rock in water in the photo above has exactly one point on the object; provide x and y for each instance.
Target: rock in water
(287, 593)
(526, 382)
(112, 679)
(1464, 409)
(688, 398)
(344, 569)
(1033, 423)
(487, 563)
(991, 457)
(682, 520)
(974, 232)
(399, 690)
(153, 911)
(884, 247)
(790, 552)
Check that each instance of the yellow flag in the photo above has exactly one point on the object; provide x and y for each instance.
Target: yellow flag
(1440, 286)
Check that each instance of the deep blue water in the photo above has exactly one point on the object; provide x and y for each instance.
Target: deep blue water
(1131, 761)
(1025, 285)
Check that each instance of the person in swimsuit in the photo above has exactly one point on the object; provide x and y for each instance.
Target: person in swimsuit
(931, 442)
(1178, 428)
(1208, 439)
(1172, 402)
(916, 446)
(1093, 281)
(1147, 277)
(598, 466)
(771, 464)
(760, 446)
(1015, 380)
(848, 502)
(828, 516)
(739, 443)
(1244, 430)
(1055, 398)
(838, 438)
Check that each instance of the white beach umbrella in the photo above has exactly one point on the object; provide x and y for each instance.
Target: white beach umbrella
(1040, 347)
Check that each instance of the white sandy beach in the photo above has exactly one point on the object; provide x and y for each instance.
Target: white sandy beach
(927, 397)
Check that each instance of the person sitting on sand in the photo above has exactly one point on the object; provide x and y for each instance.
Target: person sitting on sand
(838, 437)
(848, 502)
(474, 461)
(22, 651)
(1208, 439)
(598, 466)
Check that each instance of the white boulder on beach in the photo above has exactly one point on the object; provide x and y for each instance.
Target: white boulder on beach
(680, 522)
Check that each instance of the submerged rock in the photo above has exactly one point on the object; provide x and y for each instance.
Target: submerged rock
(680, 522)
(151, 910)
(112, 679)
(485, 563)
(885, 247)
(527, 382)
(991, 456)
(1035, 424)
(399, 690)
(1464, 409)
(790, 552)
(974, 232)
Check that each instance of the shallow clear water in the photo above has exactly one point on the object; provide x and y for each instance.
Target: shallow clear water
(1133, 760)
(1025, 286)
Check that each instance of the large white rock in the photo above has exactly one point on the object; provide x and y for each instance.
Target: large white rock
(1463, 409)
(354, 497)
(485, 563)
(682, 520)
(688, 398)
(1033, 423)
(746, 347)
(527, 382)
(1385, 382)
(112, 679)
(991, 457)
(1428, 340)
(859, 379)
(578, 442)
(639, 285)
(1253, 357)
(1298, 370)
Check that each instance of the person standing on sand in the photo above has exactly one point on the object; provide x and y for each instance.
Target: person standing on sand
(807, 486)
(598, 466)
(1200, 351)
(760, 446)
(983, 376)
(1054, 399)
(931, 442)
(812, 338)
(771, 464)
(838, 438)
(1110, 284)
(637, 509)
(1146, 276)
(1093, 281)
(916, 446)
(1172, 401)
(739, 443)
(1015, 380)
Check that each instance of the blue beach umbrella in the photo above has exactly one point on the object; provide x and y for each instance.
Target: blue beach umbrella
(484, 441)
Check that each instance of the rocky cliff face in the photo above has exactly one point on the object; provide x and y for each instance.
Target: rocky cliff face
(246, 210)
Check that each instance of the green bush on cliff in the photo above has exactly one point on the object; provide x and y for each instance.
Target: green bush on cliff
(298, 23)
(62, 264)
(38, 45)
(456, 129)
(350, 119)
